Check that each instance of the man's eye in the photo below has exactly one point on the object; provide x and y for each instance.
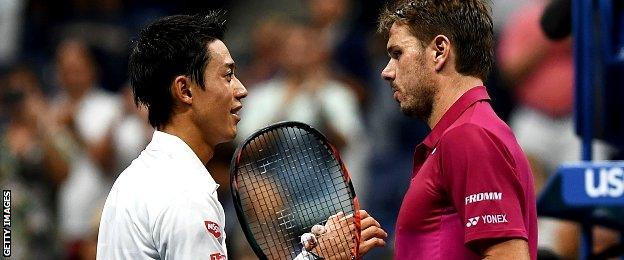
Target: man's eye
(396, 54)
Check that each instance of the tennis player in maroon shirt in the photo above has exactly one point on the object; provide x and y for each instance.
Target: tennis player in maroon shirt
(471, 193)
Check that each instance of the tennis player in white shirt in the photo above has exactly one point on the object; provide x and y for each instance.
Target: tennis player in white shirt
(164, 205)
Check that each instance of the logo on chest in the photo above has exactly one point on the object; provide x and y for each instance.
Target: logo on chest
(217, 256)
(213, 228)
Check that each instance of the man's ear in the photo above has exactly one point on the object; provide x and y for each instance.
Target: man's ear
(181, 90)
(442, 50)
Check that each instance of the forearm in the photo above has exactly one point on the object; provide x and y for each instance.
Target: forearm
(55, 162)
(508, 249)
(58, 148)
(102, 154)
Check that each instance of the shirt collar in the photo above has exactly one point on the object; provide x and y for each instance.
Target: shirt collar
(176, 148)
(471, 96)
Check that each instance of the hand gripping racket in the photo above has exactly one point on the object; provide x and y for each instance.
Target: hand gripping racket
(287, 178)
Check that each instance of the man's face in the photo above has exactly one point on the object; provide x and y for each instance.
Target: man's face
(409, 74)
(296, 49)
(215, 109)
(75, 69)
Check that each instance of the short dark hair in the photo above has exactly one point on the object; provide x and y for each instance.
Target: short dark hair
(467, 24)
(167, 48)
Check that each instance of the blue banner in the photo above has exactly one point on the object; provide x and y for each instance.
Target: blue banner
(593, 183)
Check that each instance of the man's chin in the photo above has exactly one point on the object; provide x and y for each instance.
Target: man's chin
(415, 113)
(233, 133)
(408, 111)
(230, 137)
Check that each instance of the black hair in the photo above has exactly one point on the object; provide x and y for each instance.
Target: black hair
(167, 48)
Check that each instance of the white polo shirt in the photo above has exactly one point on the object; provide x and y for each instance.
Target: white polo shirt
(163, 206)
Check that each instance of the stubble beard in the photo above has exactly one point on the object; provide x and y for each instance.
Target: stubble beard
(420, 97)
(420, 104)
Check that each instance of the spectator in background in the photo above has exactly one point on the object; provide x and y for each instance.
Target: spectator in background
(328, 16)
(263, 62)
(305, 91)
(131, 133)
(345, 42)
(89, 113)
(541, 74)
(107, 37)
(33, 163)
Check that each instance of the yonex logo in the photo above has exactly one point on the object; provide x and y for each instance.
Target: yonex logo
(493, 219)
(487, 219)
(483, 196)
(472, 222)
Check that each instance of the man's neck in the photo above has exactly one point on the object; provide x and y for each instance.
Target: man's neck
(79, 93)
(192, 136)
(294, 79)
(449, 92)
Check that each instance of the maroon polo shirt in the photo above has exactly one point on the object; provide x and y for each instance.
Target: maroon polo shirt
(471, 181)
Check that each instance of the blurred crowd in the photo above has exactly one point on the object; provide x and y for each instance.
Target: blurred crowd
(69, 126)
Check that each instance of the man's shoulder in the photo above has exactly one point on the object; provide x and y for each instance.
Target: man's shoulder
(471, 136)
(480, 119)
(147, 179)
(148, 168)
(162, 174)
(472, 141)
(155, 182)
(462, 131)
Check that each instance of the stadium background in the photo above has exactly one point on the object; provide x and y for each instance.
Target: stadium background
(59, 156)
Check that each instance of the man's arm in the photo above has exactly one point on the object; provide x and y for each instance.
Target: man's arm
(492, 210)
(505, 249)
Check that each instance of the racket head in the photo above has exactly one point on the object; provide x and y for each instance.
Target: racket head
(269, 172)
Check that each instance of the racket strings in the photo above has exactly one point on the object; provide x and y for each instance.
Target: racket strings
(272, 223)
(289, 181)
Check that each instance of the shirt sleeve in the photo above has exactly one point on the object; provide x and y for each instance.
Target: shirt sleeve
(191, 229)
(478, 174)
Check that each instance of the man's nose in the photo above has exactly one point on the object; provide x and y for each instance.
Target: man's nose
(240, 90)
(388, 72)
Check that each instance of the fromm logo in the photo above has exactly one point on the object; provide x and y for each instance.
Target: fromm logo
(483, 196)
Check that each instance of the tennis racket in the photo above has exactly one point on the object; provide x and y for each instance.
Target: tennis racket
(286, 179)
